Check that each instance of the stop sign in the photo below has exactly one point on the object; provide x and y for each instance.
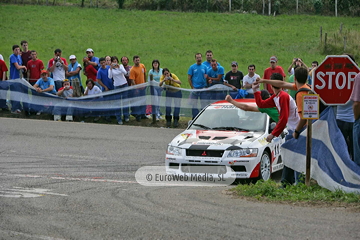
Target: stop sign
(334, 78)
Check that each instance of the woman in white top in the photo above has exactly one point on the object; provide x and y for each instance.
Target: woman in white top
(91, 88)
(117, 72)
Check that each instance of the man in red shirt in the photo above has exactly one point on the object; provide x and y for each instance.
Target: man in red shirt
(34, 67)
(25, 53)
(3, 71)
(274, 68)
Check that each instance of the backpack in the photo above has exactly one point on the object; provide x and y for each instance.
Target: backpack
(322, 106)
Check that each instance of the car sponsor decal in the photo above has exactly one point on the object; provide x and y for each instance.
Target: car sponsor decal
(207, 143)
(263, 141)
(186, 135)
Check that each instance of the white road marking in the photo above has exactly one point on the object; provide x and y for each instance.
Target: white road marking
(71, 178)
(16, 234)
(18, 192)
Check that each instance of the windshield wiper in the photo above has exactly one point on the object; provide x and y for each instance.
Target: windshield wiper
(202, 126)
(230, 128)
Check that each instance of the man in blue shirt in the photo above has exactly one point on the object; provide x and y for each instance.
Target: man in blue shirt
(73, 71)
(102, 76)
(16, 71)
(197, 80)
(209, 57)
(16, 67)
(215, 75)
(45, 83)
(91, 59)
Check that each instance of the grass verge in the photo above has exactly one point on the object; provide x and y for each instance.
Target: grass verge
(302, 195)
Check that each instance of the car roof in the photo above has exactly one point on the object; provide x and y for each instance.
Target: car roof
(249, 101)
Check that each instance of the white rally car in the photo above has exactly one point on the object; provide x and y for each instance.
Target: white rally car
(226, 137)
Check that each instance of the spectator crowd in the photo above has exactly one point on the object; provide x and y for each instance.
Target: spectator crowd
(62, 77)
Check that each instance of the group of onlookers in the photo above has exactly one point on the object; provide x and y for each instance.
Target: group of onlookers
(109, 73)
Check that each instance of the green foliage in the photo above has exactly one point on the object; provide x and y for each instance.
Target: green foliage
(318, 5)
(338, 43)
(121, 3)
(325, 7)
(270, 191)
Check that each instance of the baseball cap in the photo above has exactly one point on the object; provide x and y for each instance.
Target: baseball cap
(273, 59)
(234, 63)
(58, 50)
(89, 50)
(44, 71)
(72, 57)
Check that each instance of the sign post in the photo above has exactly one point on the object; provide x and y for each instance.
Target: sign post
(310, 111)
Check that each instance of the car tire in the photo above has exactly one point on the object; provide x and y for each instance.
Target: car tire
(265, 166)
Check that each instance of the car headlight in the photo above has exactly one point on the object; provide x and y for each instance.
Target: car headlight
(173, 150)
(246, 152)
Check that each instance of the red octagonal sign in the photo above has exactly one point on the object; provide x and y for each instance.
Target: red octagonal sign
(334, 79)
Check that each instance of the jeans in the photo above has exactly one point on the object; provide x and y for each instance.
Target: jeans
(194, 97)
(139, 107)
(289, 176)
(155, 99)
(170, 96)
(58, 84)
(346, 129)
(124, 106)
(356, 141)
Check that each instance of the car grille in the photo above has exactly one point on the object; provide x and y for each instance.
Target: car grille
(202, 168)
(204, 153)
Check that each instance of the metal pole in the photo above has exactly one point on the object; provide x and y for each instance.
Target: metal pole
(308, 152)
(297, 6)
(335, 8)
(229, 5)
(320, 35)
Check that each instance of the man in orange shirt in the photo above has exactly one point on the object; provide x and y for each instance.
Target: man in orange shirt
(138, 76)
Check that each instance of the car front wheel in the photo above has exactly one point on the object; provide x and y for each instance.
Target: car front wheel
(265, 166)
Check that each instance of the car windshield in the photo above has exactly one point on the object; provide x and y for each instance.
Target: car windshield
(229, 118)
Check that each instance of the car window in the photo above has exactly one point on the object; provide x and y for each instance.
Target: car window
(226, 117)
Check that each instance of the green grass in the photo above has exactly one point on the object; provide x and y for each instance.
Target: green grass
(270, 191)
(171, 37)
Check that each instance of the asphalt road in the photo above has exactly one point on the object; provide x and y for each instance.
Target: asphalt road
(62, 180)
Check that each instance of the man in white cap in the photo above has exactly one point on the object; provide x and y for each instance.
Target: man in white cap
(74, 69)
(274, 68)
(91, 59)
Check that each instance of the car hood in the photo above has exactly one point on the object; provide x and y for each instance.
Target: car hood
(219, 138)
